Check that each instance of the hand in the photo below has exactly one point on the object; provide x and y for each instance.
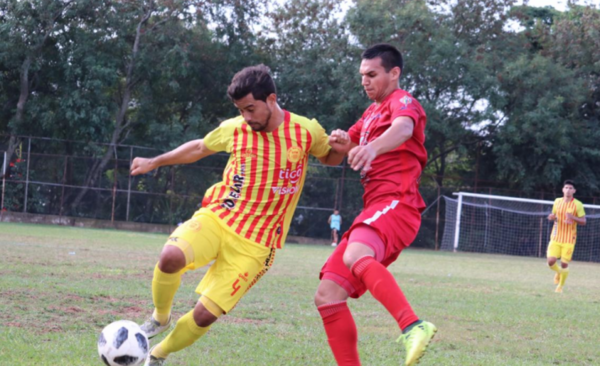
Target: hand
(339, 140)
(552, 217)
(141, 166)
(361, 157)
(570, 218)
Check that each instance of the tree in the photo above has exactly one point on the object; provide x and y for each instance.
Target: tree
(26, 29)
(445, 68)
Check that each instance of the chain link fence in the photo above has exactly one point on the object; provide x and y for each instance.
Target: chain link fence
(66, 178)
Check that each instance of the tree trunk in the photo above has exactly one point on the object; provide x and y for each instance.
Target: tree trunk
(120, 125)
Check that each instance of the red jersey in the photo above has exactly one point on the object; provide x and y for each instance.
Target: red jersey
(395, 174)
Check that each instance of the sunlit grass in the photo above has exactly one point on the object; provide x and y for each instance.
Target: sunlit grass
(59, 286)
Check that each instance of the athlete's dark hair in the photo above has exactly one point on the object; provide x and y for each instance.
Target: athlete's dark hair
(570, 182)
(252, 79)
(390, 56)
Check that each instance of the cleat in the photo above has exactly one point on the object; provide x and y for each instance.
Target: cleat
(557, 278)
(152, 328)
(416, 341)
(334, 244)
(153, 361)
(558, 289)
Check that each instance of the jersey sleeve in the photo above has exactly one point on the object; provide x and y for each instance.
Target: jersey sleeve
(554, 206)
(406, 106)
(580, 210)
(320, 140)
(355, 130)
(221, 138)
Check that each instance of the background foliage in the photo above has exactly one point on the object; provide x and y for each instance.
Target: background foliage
(512, 93)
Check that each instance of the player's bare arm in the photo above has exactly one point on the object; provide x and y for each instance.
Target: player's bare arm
(340, 145)
(552, 217)
(361, 157)
(579, 220)
(187, 153)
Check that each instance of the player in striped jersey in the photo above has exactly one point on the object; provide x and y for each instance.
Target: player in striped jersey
(567, 214)
(244, 218)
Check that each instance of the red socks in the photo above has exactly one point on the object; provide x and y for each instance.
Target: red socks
(382, 285)
(341, 333)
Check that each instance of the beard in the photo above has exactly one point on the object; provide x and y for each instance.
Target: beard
(258, 126)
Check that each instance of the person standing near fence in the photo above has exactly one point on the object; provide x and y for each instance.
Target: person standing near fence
(387, 146)
(244, 218)
(567, 214)
(335, 223)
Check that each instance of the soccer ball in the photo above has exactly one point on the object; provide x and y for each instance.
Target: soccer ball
(123, 343)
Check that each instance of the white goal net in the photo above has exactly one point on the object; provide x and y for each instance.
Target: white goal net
(510, 225)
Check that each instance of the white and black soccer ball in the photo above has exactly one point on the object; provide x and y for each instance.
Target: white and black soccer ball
(123, 343)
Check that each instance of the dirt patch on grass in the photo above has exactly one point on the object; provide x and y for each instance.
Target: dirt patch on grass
(232, 320)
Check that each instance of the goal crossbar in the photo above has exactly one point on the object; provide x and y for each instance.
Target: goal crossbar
(514, 199)
(470, 201)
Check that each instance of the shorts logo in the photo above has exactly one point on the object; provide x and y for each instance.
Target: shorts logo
(236, 286)
(294, 154)
(193, 225)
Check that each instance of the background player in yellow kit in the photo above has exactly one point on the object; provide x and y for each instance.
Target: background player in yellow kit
(244, 218)
(567, 214)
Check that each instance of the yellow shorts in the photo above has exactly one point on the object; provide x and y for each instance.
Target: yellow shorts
(562, 251)
(238, 263)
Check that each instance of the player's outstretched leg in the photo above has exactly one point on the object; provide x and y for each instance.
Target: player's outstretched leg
(382, 285)
(416, 339)
(166, 281)
(188, 329)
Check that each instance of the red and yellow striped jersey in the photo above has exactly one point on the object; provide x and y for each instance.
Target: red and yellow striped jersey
(264, 176)
(564, 232)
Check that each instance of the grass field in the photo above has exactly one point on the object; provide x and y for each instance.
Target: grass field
(59, 286)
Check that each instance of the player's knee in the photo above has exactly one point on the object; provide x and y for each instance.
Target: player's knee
(564, 264)
(328, 292)
(349, 259)
(202, 316)
(551, 261)
(351, 256)
(172, 259)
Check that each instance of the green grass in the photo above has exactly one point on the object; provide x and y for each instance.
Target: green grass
(59, 286)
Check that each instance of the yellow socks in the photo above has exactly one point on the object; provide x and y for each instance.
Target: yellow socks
(563, 276)
(164, 287)
(555, 267)
(185, 333)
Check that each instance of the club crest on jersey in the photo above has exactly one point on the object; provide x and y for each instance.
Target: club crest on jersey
(191, 225)
(294, 154)
(406, 100)
(249, 154)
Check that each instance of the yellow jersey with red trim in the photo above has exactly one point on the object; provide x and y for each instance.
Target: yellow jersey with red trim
(264, 176)
(564, 231)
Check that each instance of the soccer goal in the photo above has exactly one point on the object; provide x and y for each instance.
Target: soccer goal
(511, 225)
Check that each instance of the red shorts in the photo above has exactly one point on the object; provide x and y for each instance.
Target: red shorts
(397, 225)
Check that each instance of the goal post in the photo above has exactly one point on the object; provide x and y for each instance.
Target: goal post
(511, 225)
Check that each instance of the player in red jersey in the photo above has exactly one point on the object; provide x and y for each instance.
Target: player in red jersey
(387, 146)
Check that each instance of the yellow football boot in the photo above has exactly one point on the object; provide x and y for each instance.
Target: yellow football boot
(416, 341)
